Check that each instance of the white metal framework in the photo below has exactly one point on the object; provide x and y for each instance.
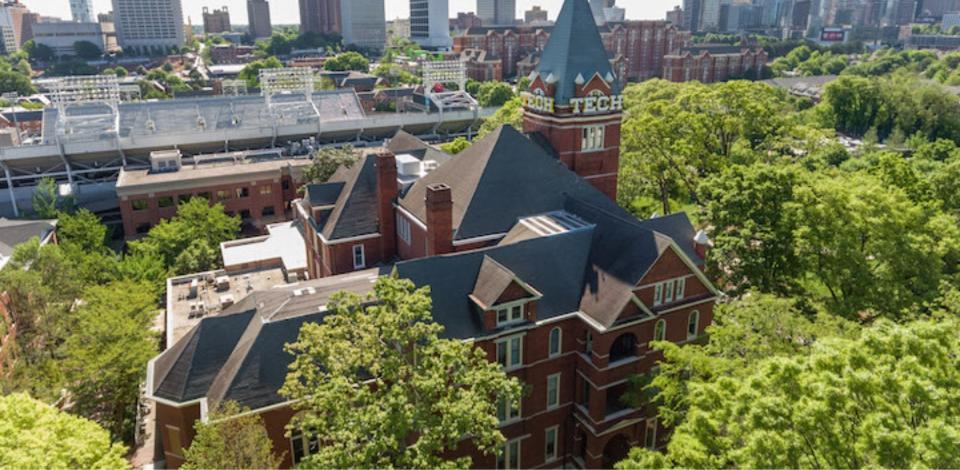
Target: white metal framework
(437, 74)
(290, 81)
(234, 87)
(87, 104)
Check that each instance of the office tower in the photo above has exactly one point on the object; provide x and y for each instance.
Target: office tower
(497, 12)
(18, 22)
(320, 16)
(216, 21)
(691, 15)
(258, 14)
(675, 16)
(597, 7)
(82, 11)
(937, 8)
(148, 26)
(710, 15)
(901, 12)
(535, 15)
(364, 23)
(430, 23)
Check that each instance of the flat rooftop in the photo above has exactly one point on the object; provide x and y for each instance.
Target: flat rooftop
(285, 241)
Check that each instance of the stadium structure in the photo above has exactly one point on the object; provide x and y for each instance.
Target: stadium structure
(90, 134)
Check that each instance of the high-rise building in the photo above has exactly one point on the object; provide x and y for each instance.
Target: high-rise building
(258, 12)
(364, 23)
(216, 21)
(935, 9)
(710, 15)
(19, 22)
(320, 16)
(82, 11)
(497, 12)
(535, 15)
(691, 15)
(430, 23)
(675, 16)
(145, 26)
(599, 9)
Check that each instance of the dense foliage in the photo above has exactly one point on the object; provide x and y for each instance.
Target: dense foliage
(231, 437)
(403, 396)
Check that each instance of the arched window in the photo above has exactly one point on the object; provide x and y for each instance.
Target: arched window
(693, 324)
(660, 330)
(623, 347)
(555, 336)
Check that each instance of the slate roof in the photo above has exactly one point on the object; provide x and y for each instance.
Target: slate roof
(353, 194)
(15, 232)
(499, 179)
(404, 142)
(575, 48)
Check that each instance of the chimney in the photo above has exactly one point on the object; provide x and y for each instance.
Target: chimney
(439, 204)
(386, 195)
(702, 244)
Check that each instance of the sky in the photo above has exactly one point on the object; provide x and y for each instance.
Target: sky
(287, 12)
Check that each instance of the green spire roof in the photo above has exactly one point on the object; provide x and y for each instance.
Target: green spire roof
(575, 49)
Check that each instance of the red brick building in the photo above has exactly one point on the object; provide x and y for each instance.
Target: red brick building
(639, 45)
(259, 192)
(540, 269)
(714, 63)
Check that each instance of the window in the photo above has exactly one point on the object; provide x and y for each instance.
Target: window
(303, 445)
(359, 259)
(403, 228)
(176, 446)
(660, 330)
(589, 342)
(243, 192)
(285, 184)
(624, 347)
(245, 214)
(667, 291)
(554, 347)
(184, 198)
(165, 201)
(550, 443)
(223, 195)
(509, 455)
(507, 414)
(509, 315)
(266, 190)
(693, 324)
(268, 211)
(510, 352)
(553, 391)
(593, 138)
(140, 205)
(650, 436)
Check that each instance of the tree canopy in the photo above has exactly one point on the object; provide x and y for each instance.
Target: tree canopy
(231, 438)
(347, 61)
(403, 396)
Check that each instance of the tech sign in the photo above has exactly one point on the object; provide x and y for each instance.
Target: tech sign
(595, 103)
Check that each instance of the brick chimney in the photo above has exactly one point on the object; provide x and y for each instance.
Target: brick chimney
(387, 189)
(439, 204)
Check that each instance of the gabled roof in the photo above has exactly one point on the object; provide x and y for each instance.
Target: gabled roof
(15, 232)
(353, 193)
(404, 142)
(575, 48)
(500, 179)
(492, 280)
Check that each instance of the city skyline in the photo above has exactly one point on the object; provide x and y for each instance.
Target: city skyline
(286, 11)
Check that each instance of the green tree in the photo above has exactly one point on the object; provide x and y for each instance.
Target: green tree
(493, 94)
(347, 61)
(46, 200)
(15, 82)
(456, 146)
(327, 161)
(511, 114)
(196, 222)
(37, 435)
(251, 73)
(87, 50)
(110, 341)
(38, 52)
(418, 395)
(231, 438)
(84, 230)
(753, 234)
(886, 399)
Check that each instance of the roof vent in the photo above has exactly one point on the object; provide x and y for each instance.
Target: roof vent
(580, 80)
(551, 79)
(610, 78)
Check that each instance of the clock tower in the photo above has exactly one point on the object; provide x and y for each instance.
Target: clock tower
(574, 100)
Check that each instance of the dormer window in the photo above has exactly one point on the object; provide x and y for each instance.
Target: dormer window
(669, 291)
(510, 314)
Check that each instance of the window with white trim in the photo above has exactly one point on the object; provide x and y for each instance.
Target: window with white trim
(507, 414)
(302, 445)
(550, 438)
(554, 346)
(660, 330)
(693, 324)
(553, 391)
(510, 352)
(403, 229)
(669, 291)
(510, 314)
(593, 138)
(650, 436)
(359, 259)
(509, 455)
